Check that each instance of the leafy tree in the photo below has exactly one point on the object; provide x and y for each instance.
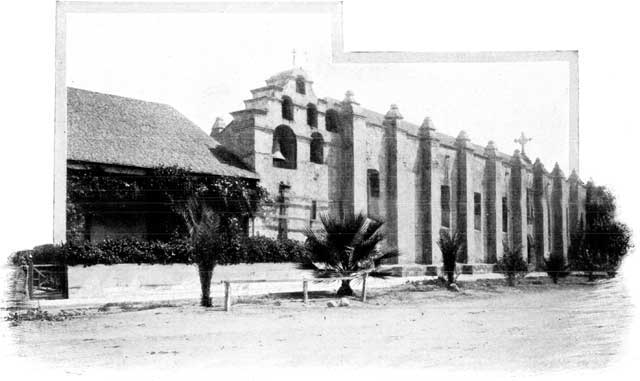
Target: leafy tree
(204, 234)
(604, 241)
(512, 265)
(450, 246)
(347, 246)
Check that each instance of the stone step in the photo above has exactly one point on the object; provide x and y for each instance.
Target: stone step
(406, 270)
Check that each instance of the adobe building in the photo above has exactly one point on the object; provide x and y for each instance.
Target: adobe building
(115, 137)
(317, 155)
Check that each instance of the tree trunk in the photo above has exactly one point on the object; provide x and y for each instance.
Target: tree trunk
(206, 274)
(511, 280)
(450, 279)
(591, 277)
(554, 278)
(345, 288)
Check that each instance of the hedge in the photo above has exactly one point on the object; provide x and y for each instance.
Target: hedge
(236, 250)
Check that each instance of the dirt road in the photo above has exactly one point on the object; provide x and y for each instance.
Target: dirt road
(536, 326)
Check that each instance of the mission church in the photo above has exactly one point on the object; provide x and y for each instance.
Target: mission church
(320, 155)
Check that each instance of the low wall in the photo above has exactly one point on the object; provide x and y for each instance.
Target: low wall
(131, 282)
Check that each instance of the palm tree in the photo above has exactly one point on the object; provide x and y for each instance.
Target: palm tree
(204, 236)
(346, 246)
(450, 246)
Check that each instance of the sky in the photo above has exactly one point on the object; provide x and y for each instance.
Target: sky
(205, 64)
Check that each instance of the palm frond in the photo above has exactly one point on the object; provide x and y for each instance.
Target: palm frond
(393, 253)
(346, 245)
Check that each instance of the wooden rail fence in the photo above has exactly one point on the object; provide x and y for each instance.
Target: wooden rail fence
(305, 286)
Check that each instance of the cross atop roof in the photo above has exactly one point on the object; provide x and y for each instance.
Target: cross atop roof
(293, 52)
(522, 140)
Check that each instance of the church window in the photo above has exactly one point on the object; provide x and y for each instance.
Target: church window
(477, 211)
(312, 115)
(287, 108)
(317, 148)
(300, 85)
(445, 206)
(284, 150)
(314, 210)
(373, 193)
(373, 178)
(505, 214)
(331, 120)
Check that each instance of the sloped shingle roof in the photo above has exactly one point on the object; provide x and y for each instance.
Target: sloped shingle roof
(110, 129)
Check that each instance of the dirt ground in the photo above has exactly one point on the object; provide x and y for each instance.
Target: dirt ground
(536, 326)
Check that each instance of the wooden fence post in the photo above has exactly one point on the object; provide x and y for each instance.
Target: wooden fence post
(65, 282)
(364, 287)
(305, 290)
(227, 296)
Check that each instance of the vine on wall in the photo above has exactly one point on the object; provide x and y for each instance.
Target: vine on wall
(162, 191)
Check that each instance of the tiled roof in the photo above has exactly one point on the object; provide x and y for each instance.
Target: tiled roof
(110, 129)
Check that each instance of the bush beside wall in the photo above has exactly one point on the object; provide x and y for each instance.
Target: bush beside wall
(236, 250)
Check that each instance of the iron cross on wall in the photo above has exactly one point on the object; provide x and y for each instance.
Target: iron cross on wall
(522, 140)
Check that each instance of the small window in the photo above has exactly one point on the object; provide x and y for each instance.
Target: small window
(312, 115)
(287, 108)
(505, 215)
(373, 178)
(314, 210)
(300, 85)
(317, 148)
(373, 194)
(445, 206)
(331, 120)
(477, 211)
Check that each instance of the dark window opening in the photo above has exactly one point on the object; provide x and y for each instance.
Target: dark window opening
(314, 210)
(312, 115)
(300, 86)
(477, 211)
(505, 214)
(373, 193)
(331, 120)
(317, 148)
(373, 178)
(445, 206)
(287, 108)
(284, 150)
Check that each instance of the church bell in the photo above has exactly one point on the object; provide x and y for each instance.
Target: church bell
(277, 154)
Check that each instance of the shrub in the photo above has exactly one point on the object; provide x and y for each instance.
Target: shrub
(232, 250)
(512, 265)
(556, 267)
